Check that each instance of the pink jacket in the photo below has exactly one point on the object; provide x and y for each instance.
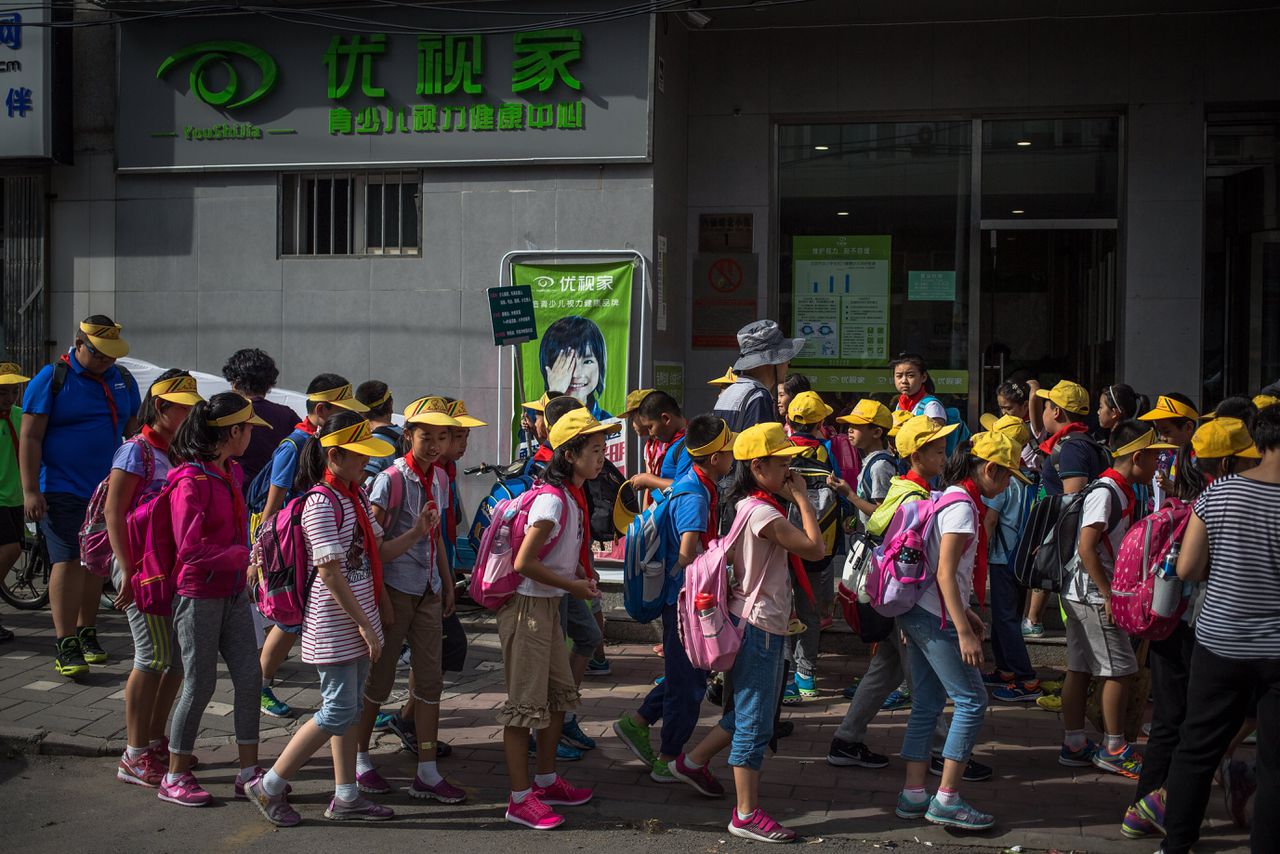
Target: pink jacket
(209, 532)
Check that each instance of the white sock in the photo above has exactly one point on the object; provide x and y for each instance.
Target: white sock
(690, 764)
(544, 780)
(273, 784)
(742, 817)
(246, 774)
(363, 764)
(135, 752)
(172, 778)
(947, 797)
(428, 774)
(346, 792)
(518, 797)
(1074, 739)
(915, 794)
(1113, 743)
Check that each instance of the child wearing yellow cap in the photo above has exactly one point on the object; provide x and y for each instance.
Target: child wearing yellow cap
(868, 425)
(763, 570)
(12, 518)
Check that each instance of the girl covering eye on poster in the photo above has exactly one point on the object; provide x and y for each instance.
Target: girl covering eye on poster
(572, 359)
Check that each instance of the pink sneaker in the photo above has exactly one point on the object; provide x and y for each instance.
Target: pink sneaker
(240, 785)
(274, 809)
(372, 783)
(146, 770)
(760, 827)
(361, 809)
(444, 791)
(162, 751)
(562, 794)
(185, 792)
(700, 778)
(533, 813)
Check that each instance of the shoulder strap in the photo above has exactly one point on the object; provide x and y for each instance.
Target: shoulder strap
(128, 377)
(60, 369)
(334, 501)
(395, 480)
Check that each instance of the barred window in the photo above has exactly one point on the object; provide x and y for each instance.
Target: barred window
(350, 213)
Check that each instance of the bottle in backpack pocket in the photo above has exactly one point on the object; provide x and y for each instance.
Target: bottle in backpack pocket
(1168, 587)
(708, 615)
(910, 558)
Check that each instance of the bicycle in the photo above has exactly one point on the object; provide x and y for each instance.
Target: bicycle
(26, 585)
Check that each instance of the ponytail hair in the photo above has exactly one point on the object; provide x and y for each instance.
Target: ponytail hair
(559, 470)
(312, 459)
(195, 441)
(152, 407)
(962, 464)
(1188, 479)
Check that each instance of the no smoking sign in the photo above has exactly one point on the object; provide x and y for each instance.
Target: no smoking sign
(725, 275)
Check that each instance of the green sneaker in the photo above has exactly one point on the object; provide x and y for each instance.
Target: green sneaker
(272, 706)
(660, 772)
(636, 738)
(93, 651)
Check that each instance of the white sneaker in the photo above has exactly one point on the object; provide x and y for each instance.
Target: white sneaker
(403, 662)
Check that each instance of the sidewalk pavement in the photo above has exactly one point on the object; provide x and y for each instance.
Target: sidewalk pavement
(1038, 804)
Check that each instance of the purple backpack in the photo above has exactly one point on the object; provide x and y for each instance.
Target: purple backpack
(95, 545)
(900, 571)
(280, 556)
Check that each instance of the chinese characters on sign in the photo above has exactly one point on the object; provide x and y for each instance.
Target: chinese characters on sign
(18, 102)
(511, 310)
(25, 68)
(840, 287)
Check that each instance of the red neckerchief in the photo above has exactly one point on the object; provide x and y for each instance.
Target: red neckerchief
(916, 479)
(797, 568)
(154, 439)
(451, 517)
(353, 493)
(306, 426)
(584, 555)
(909, 404)
(423, 478)
(543, 454)
(713, 498)
(111, 398)
(1125, 488)
(805, 441)
(1048, 445)
(980, 556)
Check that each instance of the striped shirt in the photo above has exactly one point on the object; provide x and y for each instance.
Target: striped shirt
(1240, 617)
(329, 635)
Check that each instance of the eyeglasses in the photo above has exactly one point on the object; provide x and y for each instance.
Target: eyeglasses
(97, 354)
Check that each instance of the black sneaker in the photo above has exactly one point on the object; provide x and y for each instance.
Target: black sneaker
(847, 753)
(407, 731)
(784, 729)
(93, 651)
(974, 772)
(715, 693)
(70, 658)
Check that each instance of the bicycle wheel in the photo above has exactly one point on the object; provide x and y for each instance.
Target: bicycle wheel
(26, 585)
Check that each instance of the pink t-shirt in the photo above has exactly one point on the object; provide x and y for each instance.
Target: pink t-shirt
(762, 563)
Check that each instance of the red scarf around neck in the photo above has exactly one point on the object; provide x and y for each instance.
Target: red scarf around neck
(1125, 488)
(713, 498)
(909, 403)
(154, 439)
(353, 493)
(980, 556)
(797, 567)
(584, 553)
(915, 478)
(1049, 444)
(804, 440)
(306, 426)
(426, 478)
(543, 454)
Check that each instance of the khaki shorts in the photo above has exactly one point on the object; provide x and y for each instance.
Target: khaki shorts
(417, 619)
(1094, 644)
(535, 662)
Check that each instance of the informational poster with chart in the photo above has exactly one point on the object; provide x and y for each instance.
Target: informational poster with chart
(840, 299)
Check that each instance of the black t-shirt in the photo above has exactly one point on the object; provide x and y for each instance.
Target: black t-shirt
(1076, 455)
(264, 441)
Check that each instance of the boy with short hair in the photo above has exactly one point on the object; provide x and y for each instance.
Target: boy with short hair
(376, 395)
(1095, 645)
(868, 426)
(659, 415)
(1175, 420)
(688, 527)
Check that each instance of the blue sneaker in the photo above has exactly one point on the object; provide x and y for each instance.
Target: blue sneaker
(791, 694)
(598, 667)
(911, 810)
(382, 722)
(807, 685)
(1082, 758)
(564, 753)
(852, 689)
(571, 734)
(1126, 763)
(897, 700)
(959, 815)
(271, 705)
(1019, 692)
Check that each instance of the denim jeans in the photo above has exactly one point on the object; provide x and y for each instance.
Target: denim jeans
(756, 683)
(938, 671)
(1006, 624)
(341, 687)
(677, 700)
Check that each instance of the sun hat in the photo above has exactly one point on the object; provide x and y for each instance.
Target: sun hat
(432, 410)
(1010, 425)
(728, 379)
(105, 338)
(999, 448)
(764, 440)
(762, 343)
(1067, 395)
(808, 407)
(458, 410)
(1224, 437)
(1167, 408)
(579, 422)
(180, 389)
(919, 431)
(868, 411)
(341, 396)
(900, 417)
(626, 506)
(1145, 441)
(359, 438)
(11, 374)
(240, 416)
(634, 399)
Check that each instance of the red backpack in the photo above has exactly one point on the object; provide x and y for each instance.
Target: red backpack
(1142, 552)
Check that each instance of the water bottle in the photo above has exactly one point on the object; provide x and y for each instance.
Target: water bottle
(908, 562)
(502, 537)
(1168, 588)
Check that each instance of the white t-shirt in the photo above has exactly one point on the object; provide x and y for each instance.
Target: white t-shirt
(1099, 506)
(563, 558)
(958, 518)
(935, 410)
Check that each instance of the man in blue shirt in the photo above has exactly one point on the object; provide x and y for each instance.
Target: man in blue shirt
(75, 413)
(687, 528)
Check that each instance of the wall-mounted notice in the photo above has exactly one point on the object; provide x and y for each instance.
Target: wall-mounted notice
(931, 285)
(840, 288)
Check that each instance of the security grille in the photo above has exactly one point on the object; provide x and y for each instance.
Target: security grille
(350, 213)
(22, 270)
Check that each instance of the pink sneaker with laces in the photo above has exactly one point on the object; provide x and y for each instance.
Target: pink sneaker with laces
(562, 794)
(444, 791)
(185, 792)
(532, 812)
(760, 827)
(146, 770)
(700, 778)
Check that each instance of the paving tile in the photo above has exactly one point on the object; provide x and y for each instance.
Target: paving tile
(44, 685)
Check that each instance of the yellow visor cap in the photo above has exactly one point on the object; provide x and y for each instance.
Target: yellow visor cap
(869, 411)
(11, 374)
(105, 339)
(359, 438)
(238, 417)
(177, 390)
(1224, 437)
(458, 410)
(430, 410)
(626, 506)
(340, 397)
(808, 407)
(1167, 408)
(723, 441)
(764, 440)
(1142, 443)
(999, 448)
(919, 431)
(579, 422)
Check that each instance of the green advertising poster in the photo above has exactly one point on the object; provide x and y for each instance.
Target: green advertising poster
(583, 314)
(840, 299)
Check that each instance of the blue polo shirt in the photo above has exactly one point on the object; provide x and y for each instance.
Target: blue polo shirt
(284, 462)
(689, 511)
(676, 462)
(82, 434)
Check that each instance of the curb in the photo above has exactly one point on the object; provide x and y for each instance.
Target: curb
(30, 741)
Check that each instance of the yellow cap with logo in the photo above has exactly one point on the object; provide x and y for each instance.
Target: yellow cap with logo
(458, 410)
(359, 438)
(341, 397)
(634, 399)
(105, 338)
(808, 407)
(1010, 425)
(1067, 395)
(579, 422)
(1224, 437)
(11, 374)
(728, 379)
(1167, 408)
(867, 411)
(999, 448)
(181, 389)
(764, 440)
(919, 431)
(900, 417)
(430, 410)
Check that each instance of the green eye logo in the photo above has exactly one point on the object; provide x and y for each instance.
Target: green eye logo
(219, 53)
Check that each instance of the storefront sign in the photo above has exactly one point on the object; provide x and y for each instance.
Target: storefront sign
(931, 285)
(724, 299)
(840, 299)
(26, 106)
(878, 381)
(251, 92)
(584, 312)
(511, 310)
(669, 377)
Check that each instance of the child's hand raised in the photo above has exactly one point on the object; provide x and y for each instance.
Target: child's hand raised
(428, 520)
(793, 486)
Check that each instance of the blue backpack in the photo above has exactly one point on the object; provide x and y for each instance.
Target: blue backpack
(953, 417)
(508, 486)
(646, 580)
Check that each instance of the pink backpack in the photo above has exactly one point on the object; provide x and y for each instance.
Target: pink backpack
(495, 579)
(149, 528)
(900, 571)
(95, 545)
(710, 638)
(1142, 552)
(280, 554)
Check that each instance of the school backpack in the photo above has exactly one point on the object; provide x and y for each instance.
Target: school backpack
(824, 500)
(1142, 552)
(851, 591)
(1030, 494)
(646, 579)
(710, 638)
(495, 579)
(95, 544)
(255, 496)
(1046, 556)
(601, 492)
(512, 481)
(901, 491)
(1101, 453)
(958, 435)
(149, 529)
(900, 571)
(280, 556)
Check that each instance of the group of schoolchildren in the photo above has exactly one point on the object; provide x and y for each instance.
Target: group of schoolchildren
(377, 509)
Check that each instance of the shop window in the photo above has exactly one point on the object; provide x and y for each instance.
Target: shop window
(1050, 169)
(325, 214)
